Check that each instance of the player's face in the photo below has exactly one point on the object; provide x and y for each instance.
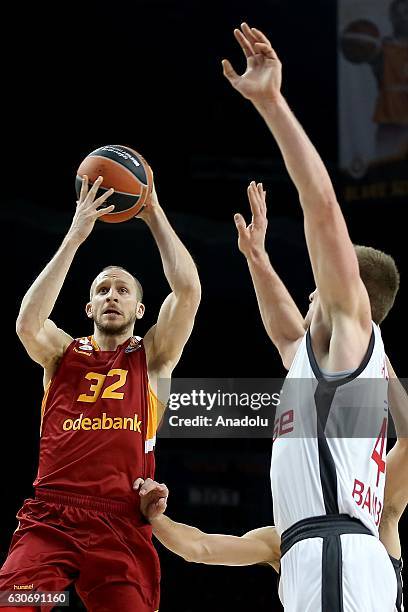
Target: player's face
(114, 304)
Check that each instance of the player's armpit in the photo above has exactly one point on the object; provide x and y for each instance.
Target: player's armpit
(165, 341)
(389, 535)
(46, 345)
(287, 350)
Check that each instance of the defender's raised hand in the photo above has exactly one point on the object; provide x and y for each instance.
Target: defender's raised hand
(263, 76)
(251, 238)
(153, 497)
(88, 209)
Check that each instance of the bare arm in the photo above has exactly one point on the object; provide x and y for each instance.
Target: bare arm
(257, 546)
(396, 485)
(281, 317)
(215, 549)
(43, 340)
(332, 255)
(165, 340)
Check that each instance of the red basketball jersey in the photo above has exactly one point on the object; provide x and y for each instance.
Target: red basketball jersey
(99, 420)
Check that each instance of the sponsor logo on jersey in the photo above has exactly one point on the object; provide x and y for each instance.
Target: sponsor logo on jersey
(81, 352)
(134, 345)
(103, 422)
(84, 344)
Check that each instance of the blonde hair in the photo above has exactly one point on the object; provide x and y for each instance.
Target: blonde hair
(381, 278)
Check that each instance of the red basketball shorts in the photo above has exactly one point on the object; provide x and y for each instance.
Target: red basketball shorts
(99, 545)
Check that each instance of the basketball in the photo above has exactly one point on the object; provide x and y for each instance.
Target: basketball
(360, 41)
(122, 169)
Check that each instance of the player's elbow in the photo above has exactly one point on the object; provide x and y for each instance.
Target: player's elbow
(192, 295)
(25, 328)
(323, 204)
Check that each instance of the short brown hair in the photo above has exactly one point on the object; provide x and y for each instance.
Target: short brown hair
(381, 278)
(139, 288)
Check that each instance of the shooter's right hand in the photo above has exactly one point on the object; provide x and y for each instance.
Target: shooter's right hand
(87, 209)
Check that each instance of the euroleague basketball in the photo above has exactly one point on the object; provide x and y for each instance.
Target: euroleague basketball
(122, 169)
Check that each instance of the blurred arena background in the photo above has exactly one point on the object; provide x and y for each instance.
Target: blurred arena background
(149, 75)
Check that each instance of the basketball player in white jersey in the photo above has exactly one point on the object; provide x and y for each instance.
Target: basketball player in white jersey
(262, 546)
(328, 459)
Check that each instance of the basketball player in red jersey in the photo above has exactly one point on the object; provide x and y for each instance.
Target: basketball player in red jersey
(99, 418)
(330, 561)
(262, 545)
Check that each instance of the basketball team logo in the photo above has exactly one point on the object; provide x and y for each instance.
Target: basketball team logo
(134, 345)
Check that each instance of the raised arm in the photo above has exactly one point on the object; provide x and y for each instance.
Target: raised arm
(396, 484)
(43, 340)
(257, 546)
(334, 262)
(166, 339)
(281, 317)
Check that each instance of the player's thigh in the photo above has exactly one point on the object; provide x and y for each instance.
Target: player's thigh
(301, 577)
(369, 581)
(37, 563)
(123, 597)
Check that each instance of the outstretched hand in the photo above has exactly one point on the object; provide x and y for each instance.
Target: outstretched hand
(88, 209)
(261, 82)
(153, 497)
(251, 238)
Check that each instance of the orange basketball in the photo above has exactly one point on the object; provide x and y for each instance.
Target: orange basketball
(126, 171)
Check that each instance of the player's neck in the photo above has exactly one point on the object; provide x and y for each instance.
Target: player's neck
(110, 343)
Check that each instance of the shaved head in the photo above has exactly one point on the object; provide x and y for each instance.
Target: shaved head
(138, 286)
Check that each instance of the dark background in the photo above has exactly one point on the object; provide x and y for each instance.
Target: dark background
(149, 76)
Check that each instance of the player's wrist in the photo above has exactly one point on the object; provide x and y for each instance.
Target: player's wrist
(155, 521)
(270, 103)
(151, 214)
(73, 238)
(257, 254)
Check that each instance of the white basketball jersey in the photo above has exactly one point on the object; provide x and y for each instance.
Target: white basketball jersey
(328, 456)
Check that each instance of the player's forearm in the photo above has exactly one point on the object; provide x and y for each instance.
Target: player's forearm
(183, 540)
(279, 313)
(40, 299)
(302, 161)
(179, 267)
(209, 548)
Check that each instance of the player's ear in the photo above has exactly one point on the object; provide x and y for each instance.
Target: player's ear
(88, 310)
(140, 310)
